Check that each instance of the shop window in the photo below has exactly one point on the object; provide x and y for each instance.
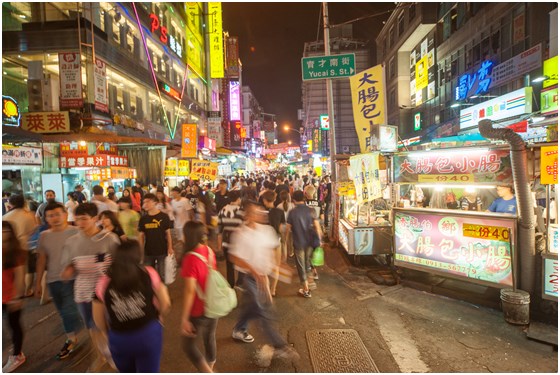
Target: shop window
(392, 70)
(495, 42)
(411, 12)
(485, 48)
(476, 54)
(391, 36)
(401, 24)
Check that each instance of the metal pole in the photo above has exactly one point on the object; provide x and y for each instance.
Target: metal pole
(329, 93)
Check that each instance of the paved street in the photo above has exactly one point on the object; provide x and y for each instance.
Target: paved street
(404, 330)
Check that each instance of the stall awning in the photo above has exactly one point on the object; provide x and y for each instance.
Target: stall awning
(15, 134)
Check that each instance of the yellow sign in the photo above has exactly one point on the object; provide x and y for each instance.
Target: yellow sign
(550, 69)
(189, 142)
(184, 168)
(170, 168)
(549, 165)
(194, 17)
(486, 232)
(346, 189)
(204, 170)
(448, 178)
(216, 40)
(368, 103)
(422, 73)
(364, 171)
(46, 122)
(120, 172)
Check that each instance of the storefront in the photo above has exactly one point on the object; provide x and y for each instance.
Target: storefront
(21, 171)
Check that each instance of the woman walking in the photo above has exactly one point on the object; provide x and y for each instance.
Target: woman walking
(110, 223)
(71, 205)
(193, 323)
(286, 205)
(134, 299)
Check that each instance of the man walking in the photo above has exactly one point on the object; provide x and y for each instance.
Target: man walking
(154, 235)
(50, 250)
(301, 222)
(230, 219)
(50, 196)
(103, 203)
(183, 212)
(222, 197)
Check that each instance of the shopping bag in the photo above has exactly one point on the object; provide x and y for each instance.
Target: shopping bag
(318, 257)
(170, 269)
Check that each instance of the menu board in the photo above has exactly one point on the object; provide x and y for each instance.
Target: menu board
(474, 247)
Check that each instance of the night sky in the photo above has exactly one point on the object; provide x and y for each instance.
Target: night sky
(271, 40)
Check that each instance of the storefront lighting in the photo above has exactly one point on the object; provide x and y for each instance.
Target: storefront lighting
(536, 119)
(82, 143)
(447, 151)
(233, 158)
(540, 79)
(5, 73)
(455, 105)
(22, 16)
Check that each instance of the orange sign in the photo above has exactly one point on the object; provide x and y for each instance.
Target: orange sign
(189, 141)
(549, 165)
(486, 232)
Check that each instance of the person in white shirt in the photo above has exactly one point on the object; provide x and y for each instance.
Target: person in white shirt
(71, 205)
(183, 211)
(103, 203)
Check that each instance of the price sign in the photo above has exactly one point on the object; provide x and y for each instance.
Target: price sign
(486, 232)
(446, 178)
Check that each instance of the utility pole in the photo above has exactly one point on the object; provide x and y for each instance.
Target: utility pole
(330, 109)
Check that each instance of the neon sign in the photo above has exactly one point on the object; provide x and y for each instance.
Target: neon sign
(466, 82)
(324, 119)
(10, 111)
(170, 91)
(164, 37)
(234, 101)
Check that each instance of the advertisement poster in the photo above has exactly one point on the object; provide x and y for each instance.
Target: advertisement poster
(363, 241)
(216, 40)
(21, 155)
(232, 57)
(70, 71)
(46, 122)
(474, 247)
(100, 85)
(184, 168)
(550, 279)
(453, 167)
(170, 169)
(73, 149)
(364, 171)
(189, 141)
(368, 104)
(549, 165)
(204, 170)
(388, 136)
(423, 70)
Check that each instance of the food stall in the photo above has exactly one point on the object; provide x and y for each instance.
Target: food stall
(363, 225)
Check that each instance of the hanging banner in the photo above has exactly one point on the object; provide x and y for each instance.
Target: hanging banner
(364, 172)
(46, 122)
(549, 165)
(70, 73)
(100, 85)
(216, 40)
(368, 103)
(465, 246)
(204, 170)
(453, 167)
(184, 168)
(170, 169)
(189, 141)
(21, 155)
(232, 57)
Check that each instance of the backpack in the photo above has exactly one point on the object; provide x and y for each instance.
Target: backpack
(219, 298)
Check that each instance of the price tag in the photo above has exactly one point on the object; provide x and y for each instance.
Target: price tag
(486, 232)
(451, 178)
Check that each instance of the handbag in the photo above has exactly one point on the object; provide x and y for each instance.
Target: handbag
(318, 257)
(170, 269)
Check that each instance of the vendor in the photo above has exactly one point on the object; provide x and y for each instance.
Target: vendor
(470, 201)
(506, 201)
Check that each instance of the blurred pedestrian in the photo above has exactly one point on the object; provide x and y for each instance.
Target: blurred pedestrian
(128, 218)
(230, 218)
(110, 223)
(277, 220)
(103, 203)
(13, 289)
(286, 205)
(130, 300)
(70, 206)
(136, 198)
(183, 212)
(163, 204)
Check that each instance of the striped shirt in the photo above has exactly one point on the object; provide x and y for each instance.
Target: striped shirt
(229, 219)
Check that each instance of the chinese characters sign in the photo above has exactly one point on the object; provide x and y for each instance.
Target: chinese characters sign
(170, 169)
(204, 170)
(73, 149)
(184, 168)
(476, 166)
(549, 101)
(70, 70)
(46, 122)
(316, 141)
(476, 83)
(436, 243)
(334, 66)
(92, 161)
(235, 133)
(368, 103)
(21, 155)
(100, 85)
(549, 165)
(232, 57)
(364, 171)
(189, 141)
(234, 101)
(513, 104)
(216, 40)
(518, 65)
(423, 70)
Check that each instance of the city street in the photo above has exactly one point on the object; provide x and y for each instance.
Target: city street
(403, 329)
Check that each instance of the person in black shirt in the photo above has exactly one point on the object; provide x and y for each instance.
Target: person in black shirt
(154, 235)
(110, 223)
(277, 220)
(221, 196)
(280, 186)
(194, 197)
(327, 200)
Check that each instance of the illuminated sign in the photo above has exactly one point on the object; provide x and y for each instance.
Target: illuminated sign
(164, 37)
(188, 141)
(417, 121)
(325, 123)
(513, 104)
(232, 57)
(234, 101)
(216, 40)
(46, 122)
(549, 165)
(476, 83)
(436, 242)
(10, 111)
(170, 91)
(550, 70)
(170, 168)
(476, 166)
(549, 101)
(423, 71)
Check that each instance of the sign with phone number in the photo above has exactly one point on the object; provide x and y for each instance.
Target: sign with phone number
(486, 232)
(446, 178)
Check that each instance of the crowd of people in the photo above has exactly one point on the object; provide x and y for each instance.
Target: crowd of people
(101, 260)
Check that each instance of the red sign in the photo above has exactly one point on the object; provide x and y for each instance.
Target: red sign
(156, 26)
(106, 149)
(476, 166)
(92, 161)
(73, 149)
(519, 127)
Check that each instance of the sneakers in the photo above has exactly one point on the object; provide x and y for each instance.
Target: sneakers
(68, 348)
(287, 352)
(304, 293)
(243, 336)
(14, 361)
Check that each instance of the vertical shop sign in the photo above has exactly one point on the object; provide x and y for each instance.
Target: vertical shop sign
(368, 102)
(364, 171)
(232, 57)
(100, 85)
(235, 133)
(70, 70)
(216, 40)
(189, 141)
(234, 101)
(170, 169)
(549, 165)
(184, 168)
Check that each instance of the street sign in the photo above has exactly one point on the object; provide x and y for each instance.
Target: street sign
(334, 66)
